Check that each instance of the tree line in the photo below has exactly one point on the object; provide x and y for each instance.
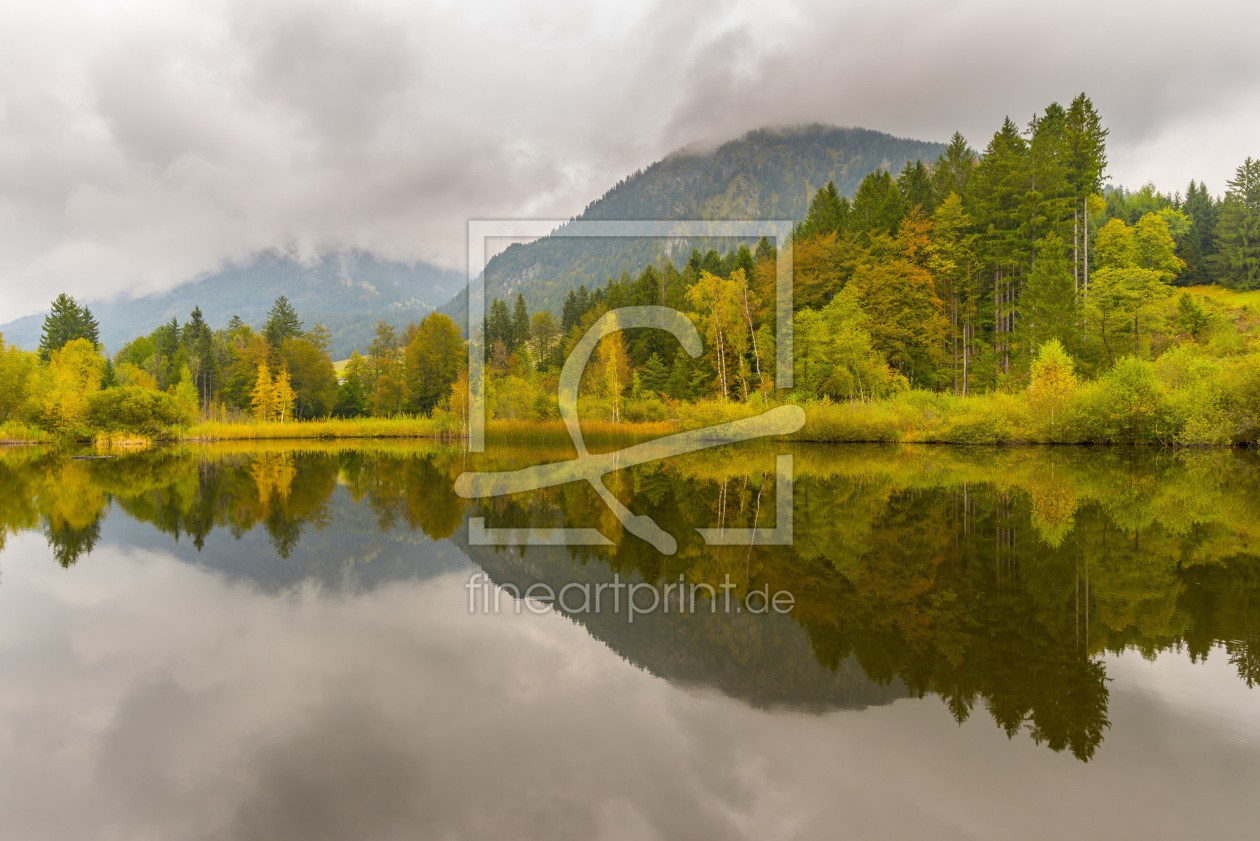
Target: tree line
(181, 372)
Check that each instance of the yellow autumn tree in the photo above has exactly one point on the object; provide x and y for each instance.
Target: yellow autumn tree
(263, 399)
(282, 396)
(718, 307)
(1053, 384)
(59, 397)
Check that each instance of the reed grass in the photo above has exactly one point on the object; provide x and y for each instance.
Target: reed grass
(15, 432)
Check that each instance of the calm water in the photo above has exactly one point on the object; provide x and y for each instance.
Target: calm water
(275, 642)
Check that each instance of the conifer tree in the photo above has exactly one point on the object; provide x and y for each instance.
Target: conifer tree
(1087, 160)
(520, 324)
(915, 184)
(1047, 307)
(828, 213)
(953, 169)
(282, 323)
(65, 322)
(1239, 229)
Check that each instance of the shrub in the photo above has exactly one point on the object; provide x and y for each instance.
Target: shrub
(1127, 405)
(131, 408)
(650, 409)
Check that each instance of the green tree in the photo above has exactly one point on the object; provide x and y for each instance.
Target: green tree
(1122, 299)
(65, 322)
(199, 344)
(1239, 229)
(1198, 249)
(282, 323)
(545, 336)
(828, 213)
(388, 383)
(915, 183)
(498, 327)
(353, 396)
(878, 205)
(1048, 304)
(952, 171)
(311, 377)
(1087, 161)
(433, 360)
(520, 324)
(654, 375)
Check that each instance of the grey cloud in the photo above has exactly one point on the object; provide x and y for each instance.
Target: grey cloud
(141, 145)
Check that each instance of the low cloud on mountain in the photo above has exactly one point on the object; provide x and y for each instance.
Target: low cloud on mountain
(143, 143)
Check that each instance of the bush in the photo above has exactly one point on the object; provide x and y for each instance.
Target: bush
(638, 411)
(986, 419)
(130, 408)
(1127, 405)
(1240, 397)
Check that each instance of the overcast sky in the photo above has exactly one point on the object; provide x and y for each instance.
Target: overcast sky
(144, 141)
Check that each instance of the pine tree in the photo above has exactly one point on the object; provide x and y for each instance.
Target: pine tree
(90, 330)
(915, 183)
(1049, 199)
(878, 205)
(1047, 306)
(64, 323)
(998, 189)
(1198, 248)
(498, 325)
(520, 324)
(568, 314)
(953, 169)
(282, 323)
(828, 213)
(199, 342)
(1087, 160)
(654, 375)
(1239, 229)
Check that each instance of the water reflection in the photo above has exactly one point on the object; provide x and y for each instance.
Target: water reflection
(996, 579)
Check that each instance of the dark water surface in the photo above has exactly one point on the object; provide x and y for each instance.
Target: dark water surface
(275, 642)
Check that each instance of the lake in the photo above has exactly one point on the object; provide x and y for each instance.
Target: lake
(313, 641)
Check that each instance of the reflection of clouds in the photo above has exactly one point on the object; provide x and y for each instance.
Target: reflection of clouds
(148, 698)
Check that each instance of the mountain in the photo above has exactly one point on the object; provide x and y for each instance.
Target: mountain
(347, 291)
(766, 174)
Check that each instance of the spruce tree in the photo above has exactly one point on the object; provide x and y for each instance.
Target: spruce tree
(1239, 229)
(915, 184)
(282, 323)
(1047, 307)
(1199, 247)
(654, 375)
(568, 314)
(1087, 160)
(64, 323)
(520, 324)
(827, 214)
(952, 172)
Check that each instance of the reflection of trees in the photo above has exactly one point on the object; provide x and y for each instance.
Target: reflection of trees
(995, 578)
(990, 577)
(69, 542)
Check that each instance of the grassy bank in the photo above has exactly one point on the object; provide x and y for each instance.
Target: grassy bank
(440, 427)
